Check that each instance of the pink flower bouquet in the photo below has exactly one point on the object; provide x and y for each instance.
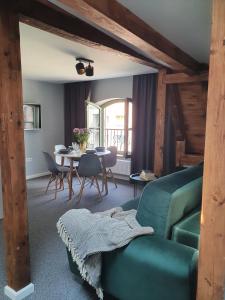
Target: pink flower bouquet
(81, 135)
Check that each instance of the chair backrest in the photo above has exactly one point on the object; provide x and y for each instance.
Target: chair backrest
(168, 199)
(89, 165)
(58, 158)
(110, 159)
(52, 167)
(59, 147)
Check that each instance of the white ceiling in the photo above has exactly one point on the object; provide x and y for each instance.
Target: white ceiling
(186, 23)
(48, 57)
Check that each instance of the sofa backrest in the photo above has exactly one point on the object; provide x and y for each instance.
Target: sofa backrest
(168, 199)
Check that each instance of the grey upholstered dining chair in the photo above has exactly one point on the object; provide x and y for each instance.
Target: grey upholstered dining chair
(58, 173)
(89, 167)
(108, 162)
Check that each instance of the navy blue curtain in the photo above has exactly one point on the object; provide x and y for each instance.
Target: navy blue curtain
(144, 112)
(75, 95)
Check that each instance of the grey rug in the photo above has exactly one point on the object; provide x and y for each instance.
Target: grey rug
(49, 267)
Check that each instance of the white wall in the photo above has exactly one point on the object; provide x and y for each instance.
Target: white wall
(112, 88)
(51, 98)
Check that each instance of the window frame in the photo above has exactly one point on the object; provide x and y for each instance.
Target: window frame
(126, 102)
(101, 129)
(89, 103)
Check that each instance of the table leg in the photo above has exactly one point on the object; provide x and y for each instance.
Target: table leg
(135, 190)
(105, 180)
(106, 183)
(71, 179)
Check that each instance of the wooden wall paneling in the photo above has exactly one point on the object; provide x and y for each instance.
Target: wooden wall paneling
(160, 123)
(180, 114)
(211, 271)
(191, 159)
(194, 119)
(177, 78)
(180, 152)
(204, 98)
(12, 151)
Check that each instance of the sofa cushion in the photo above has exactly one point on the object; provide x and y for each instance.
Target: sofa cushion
(187, 231)
(150, 268)
(167, 200)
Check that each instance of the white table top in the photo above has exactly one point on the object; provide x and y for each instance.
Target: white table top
(77, 154)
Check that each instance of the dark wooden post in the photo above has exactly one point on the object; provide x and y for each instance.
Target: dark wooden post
(160, 123)
(211, 277)
(12, 151)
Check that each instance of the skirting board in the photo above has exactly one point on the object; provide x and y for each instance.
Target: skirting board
(37, 175)
(21, 294)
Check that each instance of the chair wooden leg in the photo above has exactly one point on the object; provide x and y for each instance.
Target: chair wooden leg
(81, 189)
(98, 188)
(78, 177)
(67, 178)
(113, 178)
(104, 182)
(92, 181)
(56, 186)
(51, 179)
(62, 182)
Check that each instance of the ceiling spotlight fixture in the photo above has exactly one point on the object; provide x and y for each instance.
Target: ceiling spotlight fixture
(89, 70)
(81, 69)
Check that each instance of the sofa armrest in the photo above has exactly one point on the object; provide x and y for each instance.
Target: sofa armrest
(151, 268)
(132, 204)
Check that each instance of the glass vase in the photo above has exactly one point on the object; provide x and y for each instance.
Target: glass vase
(83, 147)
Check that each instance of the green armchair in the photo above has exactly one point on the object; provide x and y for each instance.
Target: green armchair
(159, 267)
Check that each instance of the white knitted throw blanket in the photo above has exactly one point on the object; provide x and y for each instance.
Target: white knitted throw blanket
(88, 234)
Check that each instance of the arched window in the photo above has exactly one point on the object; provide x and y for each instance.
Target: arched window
(111, 125)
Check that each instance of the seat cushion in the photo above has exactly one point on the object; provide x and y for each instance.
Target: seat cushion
(187, 231)
(150, 268)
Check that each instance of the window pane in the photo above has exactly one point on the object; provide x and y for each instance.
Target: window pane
(114, 126)
(28, 112)
(129, 141)
(130, 116)
(114, 116)
(94, 137)
(93, 116)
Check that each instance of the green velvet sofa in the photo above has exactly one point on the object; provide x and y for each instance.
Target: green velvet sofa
(162, 266)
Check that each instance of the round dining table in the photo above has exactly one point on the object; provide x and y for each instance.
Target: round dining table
(75, 156)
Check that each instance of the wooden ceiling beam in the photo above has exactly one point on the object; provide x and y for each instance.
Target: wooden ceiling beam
(177, 78)
(49, 17)
(113, 17)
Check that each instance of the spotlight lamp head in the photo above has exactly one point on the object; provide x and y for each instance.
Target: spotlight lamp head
(81, 69)
(89, 70)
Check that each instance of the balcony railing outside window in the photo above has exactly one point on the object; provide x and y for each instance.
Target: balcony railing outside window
(116, 137)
